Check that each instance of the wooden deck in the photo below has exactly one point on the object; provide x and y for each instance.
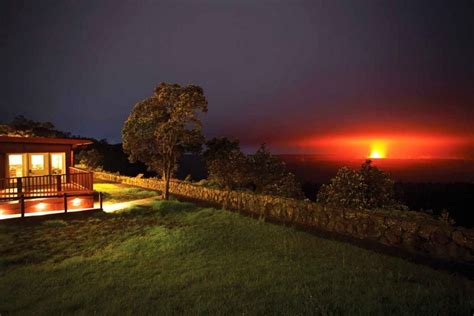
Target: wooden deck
(64, 188)
(46, 205)
(74, 181)
(43, 194)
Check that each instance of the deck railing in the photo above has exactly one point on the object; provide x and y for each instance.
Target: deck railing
(81, 178)
(48, 185)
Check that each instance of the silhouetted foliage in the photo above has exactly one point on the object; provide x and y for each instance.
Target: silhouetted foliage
(226, 164)
(164, 126)
(91, 158)
(269, 175)
(113, 159)
(22, 126)
(368, 188)
(380, 190)
(262, 172)
(346, 190)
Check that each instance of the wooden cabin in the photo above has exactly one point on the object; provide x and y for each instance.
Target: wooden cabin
(37, 174)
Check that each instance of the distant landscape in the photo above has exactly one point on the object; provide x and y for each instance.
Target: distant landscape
(421, 184)
(317, 169)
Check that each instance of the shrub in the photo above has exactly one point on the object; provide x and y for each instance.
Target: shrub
(368, 188)
(91, 158)
(262, 172)
(346, 190)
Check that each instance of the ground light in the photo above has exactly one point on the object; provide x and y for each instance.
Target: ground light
(41, 206)
(76, 202)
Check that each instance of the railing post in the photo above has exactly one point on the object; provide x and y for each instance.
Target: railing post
(19, 186)
(58, 183)
(100, 201)
(65, 203)
(22, 205)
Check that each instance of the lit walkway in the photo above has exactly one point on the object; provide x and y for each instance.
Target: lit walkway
(110, 208)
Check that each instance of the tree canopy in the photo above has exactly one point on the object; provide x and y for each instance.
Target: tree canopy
(22, 126)
(164, 126)
(261, 172)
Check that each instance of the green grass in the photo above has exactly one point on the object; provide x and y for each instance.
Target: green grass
(176, 258)
(114, 192)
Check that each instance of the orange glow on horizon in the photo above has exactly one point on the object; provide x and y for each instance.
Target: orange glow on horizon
(378, 150)
(375, 155)
(416, 146)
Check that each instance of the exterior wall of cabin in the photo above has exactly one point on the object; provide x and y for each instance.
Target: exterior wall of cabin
(49, 204)
(24, 148)
(35, 177)
(3, 165)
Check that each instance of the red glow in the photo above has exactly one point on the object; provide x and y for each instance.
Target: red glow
(388, 146)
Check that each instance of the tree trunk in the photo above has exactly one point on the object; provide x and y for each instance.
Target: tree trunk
(167, 177)
(166, 192)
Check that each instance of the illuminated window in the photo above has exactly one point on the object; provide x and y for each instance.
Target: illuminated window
(37, 162)
(57, 163)
(15, 165)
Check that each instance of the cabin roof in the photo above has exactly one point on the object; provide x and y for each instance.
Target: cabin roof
(45, 140)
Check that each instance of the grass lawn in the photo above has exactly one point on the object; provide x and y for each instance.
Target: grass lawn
(115, 193)
(174, 258)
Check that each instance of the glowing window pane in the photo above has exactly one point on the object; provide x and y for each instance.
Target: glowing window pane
(15, 165)
(37, 162)
(57, 166)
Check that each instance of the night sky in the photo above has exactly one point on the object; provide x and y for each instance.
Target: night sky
(288, 73)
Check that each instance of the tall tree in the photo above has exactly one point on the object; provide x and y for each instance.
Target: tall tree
(164, 126)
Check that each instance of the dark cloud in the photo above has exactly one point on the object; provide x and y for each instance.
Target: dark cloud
(272, 70)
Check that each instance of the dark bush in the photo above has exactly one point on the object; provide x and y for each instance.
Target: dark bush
(368, 188)
(226, 164)
(91, 158)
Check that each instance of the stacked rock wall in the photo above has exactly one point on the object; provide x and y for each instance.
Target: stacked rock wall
(415, 232)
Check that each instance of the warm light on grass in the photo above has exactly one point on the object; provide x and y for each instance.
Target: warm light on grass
(117, 193)
(117, 206)
(171, 247)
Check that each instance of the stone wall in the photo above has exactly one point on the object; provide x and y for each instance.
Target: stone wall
(415, 232)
